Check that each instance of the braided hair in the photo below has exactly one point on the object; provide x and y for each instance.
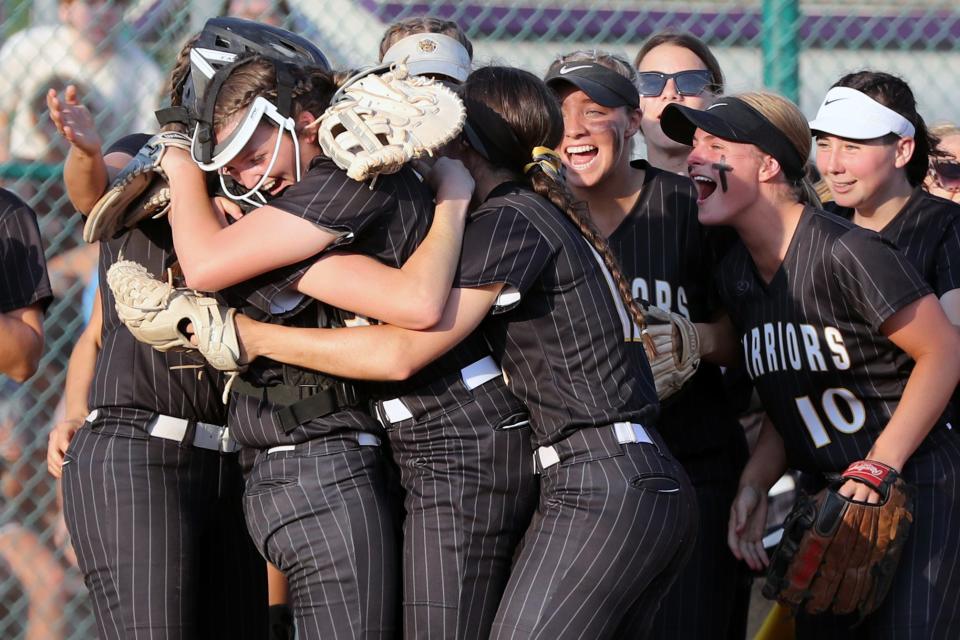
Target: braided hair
(521, 125)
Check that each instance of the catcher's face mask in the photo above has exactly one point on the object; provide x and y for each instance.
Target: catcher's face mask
(231, 146)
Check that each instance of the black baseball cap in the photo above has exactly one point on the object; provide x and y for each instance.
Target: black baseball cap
(604, 85)
(733, 119)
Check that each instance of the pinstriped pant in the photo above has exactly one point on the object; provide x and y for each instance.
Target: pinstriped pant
(924, 600)
(710, 596)
(159, 536)
(470, 493)
(612, 531)
(320, 514)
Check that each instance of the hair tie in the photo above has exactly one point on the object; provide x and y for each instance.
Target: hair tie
(548, 160)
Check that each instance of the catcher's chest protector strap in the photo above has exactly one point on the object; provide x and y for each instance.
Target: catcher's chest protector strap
(296, 409)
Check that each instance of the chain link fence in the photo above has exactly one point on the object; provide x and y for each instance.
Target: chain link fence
(118, 53)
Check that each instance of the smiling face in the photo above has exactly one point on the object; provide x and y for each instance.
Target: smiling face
(861, 174)
(595, 138)
(255, 167)
(714, 162)
(667, 59)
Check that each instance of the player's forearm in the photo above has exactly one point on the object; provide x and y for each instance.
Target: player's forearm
(20, 347)
(412, 297)
(362, 353)
(80, 371)
(380, 352)
(428, 274)
(195, 226)
(923, 331)
(718, 342)
(931, 384)
(768, 461)
(85, 178)
(278, 591)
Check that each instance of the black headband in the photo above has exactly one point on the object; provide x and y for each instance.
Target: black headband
(490, 135)
(733, 119)
(604, 85)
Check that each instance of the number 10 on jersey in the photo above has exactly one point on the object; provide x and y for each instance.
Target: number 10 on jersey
(849, 419)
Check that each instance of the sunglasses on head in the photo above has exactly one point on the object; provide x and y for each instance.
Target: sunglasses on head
(689, 83)
(947, 171)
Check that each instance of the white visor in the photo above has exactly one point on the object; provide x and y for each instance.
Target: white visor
(431, 53)
(848, 113)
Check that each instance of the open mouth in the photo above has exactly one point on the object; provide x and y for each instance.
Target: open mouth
(273, 186)
(705, 187)
(581, 156)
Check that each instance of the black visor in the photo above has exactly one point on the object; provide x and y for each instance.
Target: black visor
(734, 120)
(604, 86)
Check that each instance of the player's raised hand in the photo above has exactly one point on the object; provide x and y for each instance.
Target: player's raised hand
(748, 519)
(73, 120)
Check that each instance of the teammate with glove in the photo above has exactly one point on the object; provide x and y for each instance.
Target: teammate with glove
(855, 362)
(157, 423)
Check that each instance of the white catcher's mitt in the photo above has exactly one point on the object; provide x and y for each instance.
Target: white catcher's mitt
(157, 314)
(673, 349)
(139, 191)
(379, 122)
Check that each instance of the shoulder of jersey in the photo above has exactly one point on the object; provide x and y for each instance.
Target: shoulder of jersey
(831, 222)
(940, 208)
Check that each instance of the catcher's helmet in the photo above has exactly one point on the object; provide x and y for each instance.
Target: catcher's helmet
(222, 42)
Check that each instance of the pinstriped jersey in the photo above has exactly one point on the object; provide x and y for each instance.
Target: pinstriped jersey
(559, 328)
(669, 258)
(132, 381)
(927, 231)
(827, 377)
(23, 268)
(386, 222)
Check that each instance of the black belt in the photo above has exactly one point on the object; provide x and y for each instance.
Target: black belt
(301, 404)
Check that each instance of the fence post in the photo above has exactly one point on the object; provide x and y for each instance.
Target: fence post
(781, 47)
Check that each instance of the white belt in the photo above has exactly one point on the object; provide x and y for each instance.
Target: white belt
(626, 432)
(473, 375)
(363, 439)
(205, 436)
